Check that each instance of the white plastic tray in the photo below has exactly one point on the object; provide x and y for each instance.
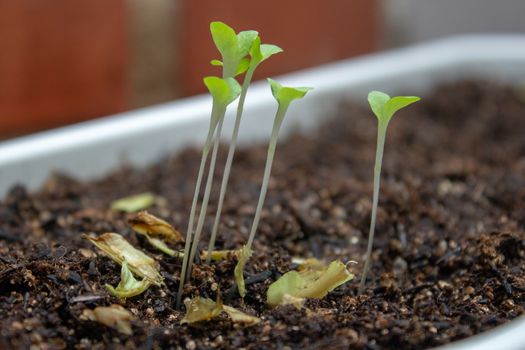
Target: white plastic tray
(140, 137)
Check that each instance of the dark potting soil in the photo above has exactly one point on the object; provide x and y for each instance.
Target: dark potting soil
(448, 260)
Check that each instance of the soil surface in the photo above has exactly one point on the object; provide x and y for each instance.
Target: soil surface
(448, 260)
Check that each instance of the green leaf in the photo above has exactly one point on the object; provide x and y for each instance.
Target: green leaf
(284, 94)
(288, 284)
(399, 102)
(134, 203)
(244, 254)
(224, 38)
(243, 66)
(377, 101)
(384, 107)
(128, 286)
(260, 53)
(233, 47)
(245, 41)
(216, 63)
(223, 91)
(268, 50)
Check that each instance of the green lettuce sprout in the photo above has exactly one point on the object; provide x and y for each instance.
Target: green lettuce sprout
(233, 48)
(223, 91)
(284, 96)
(258, 54)
(384, 108)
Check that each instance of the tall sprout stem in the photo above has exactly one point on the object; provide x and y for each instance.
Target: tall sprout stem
(381, 134)
(205, 199)
(189, 231)
(281, 111)
(229, 161)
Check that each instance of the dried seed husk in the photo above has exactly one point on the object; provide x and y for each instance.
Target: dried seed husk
(218, 255)
(201, 309)
(118, 249)
(151, 226)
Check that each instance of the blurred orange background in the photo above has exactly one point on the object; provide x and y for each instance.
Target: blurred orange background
(65, 61)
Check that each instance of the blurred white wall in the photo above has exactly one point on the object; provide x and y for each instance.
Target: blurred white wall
(409, 21)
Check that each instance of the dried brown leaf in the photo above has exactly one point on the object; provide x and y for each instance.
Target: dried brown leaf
(118, 249)
(203, 309)
(149, 225)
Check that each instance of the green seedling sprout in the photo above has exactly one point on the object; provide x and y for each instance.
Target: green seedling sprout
(384, 108)
(284, 96)
(223, 92)
(258, 54)
(233, 48)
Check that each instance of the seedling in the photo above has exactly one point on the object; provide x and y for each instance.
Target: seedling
(284, 96)
(258, 54)
(223, 92)
(233, 48)
(384, 108)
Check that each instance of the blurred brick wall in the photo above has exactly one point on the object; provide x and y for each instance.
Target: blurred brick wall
(154, 51)
(61, 61)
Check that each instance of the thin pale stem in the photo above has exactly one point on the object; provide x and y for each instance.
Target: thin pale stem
(229, 161)
(189, 231)
(381, 134)
(206, 198)
(281, 111)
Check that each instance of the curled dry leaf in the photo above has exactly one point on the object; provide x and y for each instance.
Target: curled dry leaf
(114, 316)
(240, 317)
(244, 254)
(128, 286)
(203, 309)
(118, 249)
(307, 283)
(149, 225)
(132, 204)
(156, 231)
(310, 264)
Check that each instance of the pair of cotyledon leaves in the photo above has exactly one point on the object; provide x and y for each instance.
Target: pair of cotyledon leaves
(234, 49)
(384, 106)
